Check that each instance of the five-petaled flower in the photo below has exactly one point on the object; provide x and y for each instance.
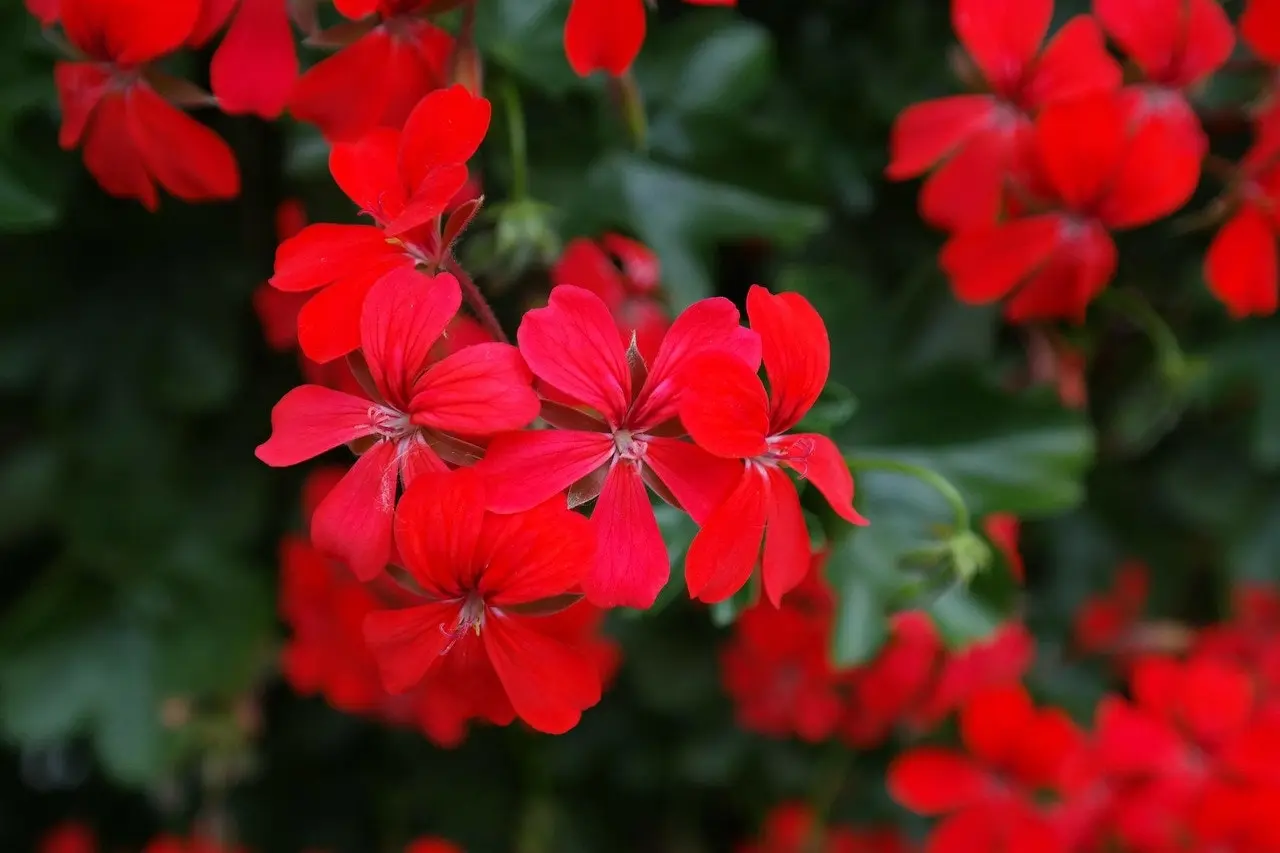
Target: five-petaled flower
(413, 415)
(726, 410)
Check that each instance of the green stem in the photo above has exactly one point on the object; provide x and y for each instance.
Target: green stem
(1139, 312)
(519, 142)
(925, 475)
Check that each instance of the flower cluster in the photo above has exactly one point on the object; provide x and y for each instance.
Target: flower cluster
(1032, 177)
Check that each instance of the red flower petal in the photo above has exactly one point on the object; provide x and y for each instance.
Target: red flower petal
(430, 199)
(129, 32)
(986, 264)
(1068, 281)
(929, 781)
(366, 171)
(329, 324)
(697, 479)
(112, 157)
(631, 565)
(311, 420)
(81, 86)
(925, 133)
(724, 407)
(1216, 699)
(1082, 144)
(708, 324)
(583, 263)
(993, 722)
(1160, 169)
(786, 539)
(573, 345)
(402, 318)
(438, 525)
(345, 95)
(214, 15)
(1174, 42)
(724, 552)
(254, 68)
(541, 553)
(968, 190)
(1260, 27)
(1132, 741)
(479, 390)
(45, 10)
(824, 466)
(1002, 36)
(796, 352)
(604, 35)
(355, 9)
(548, 682)
(446, 128)
(324, 253)
(188, 159)
(406, 643)
(1241, 265)
(353, 522)
(1075, 63)
(525, 468)
(969, 831)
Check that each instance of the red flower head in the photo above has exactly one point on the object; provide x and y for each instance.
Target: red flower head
(255, 66)
(1094, 174)
(1260, 28)
(1176, 44)
(1012, 750)
(777, 669)
(1241, 265)
(606, 35)
(378, 80)
(622, 436)
(979, 139)
(414, 410)
(629, 292)
(727, 412)
(484, 580)
(404, 181)
(133, 138)
(69, 838)
(789, 828)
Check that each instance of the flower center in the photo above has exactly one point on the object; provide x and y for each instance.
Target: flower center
(629, 445)
(795, 451)
(390, 423)
(470, 618)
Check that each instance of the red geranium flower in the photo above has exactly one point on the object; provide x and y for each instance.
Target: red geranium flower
(133, 138)
(629, 292)
(790, 828)
(726, 410)
(404, 181)
(1176, 44)
(413, 407)
(628, 439)
(1094, 173)
(69, 838)
(378, 80)
(979, 139)
(484, 578)
(1260, 28)
(1241, 264)
(1013, 750)
(254, 68)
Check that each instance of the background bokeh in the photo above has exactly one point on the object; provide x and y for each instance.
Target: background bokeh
(138, 534)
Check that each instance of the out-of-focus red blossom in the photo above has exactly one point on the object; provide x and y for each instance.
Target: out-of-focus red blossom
(1251, 639)
(132, 138)
(69, 837)
(1260, 28)
(985, 794)
(404, 180)
(479, 627)
(432, 845)
(625, 274)
(1177, 45)
(377, 80)
(977, 142)
(727, 412)
(1241, 264)
(254, 68)
(1092, 173)
(606, 35)
(1003, 529)
(1102, 622)
(46, 11)
(415, 410)
(620, 436)
(789, 828)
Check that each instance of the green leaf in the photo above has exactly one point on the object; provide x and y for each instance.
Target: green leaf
(962, 618)
(683, 217)
(713, 62)
(1018, 453)
(860, 627)
(22, 209)
(833, 409)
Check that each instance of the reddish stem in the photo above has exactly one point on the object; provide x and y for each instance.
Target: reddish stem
(471, 293)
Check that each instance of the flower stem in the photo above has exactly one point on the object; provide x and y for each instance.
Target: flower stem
(474, 298)
(1133, 307)
(517, 139)
(925, 475)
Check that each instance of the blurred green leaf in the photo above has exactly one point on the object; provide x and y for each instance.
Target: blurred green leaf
(527, 37)
(712, 62)
(21, 208)
(860, 625)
